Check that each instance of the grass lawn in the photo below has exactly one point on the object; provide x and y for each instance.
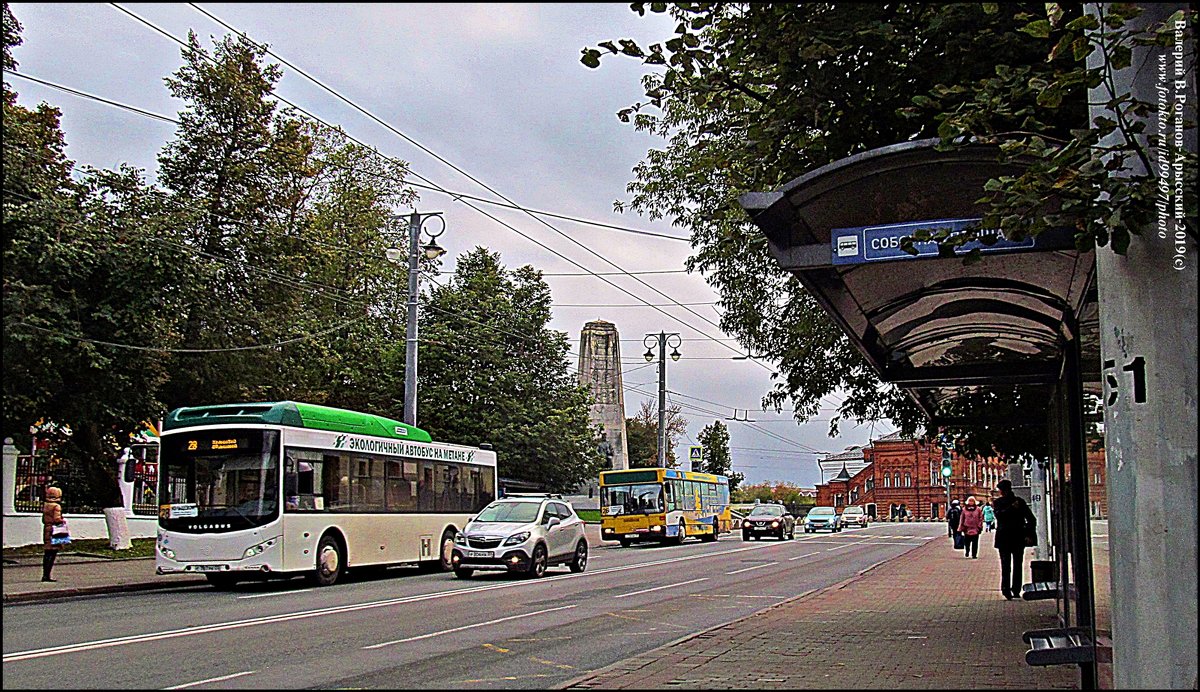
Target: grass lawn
(98, 547)
(588, 514)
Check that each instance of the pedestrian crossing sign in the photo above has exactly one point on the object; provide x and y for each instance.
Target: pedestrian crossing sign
(696, 456)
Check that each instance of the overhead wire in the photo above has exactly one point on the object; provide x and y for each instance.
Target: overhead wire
(439, 188)
(462, 172)
(374, 151)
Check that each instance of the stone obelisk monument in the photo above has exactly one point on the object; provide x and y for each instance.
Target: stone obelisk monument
(600, 369)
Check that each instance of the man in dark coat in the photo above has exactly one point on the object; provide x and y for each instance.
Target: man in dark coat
(1015, 530)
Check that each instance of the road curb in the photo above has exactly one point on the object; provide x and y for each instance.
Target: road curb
(798, 597)
(42, 596)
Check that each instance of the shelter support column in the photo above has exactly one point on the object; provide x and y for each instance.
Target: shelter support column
(1147, 302)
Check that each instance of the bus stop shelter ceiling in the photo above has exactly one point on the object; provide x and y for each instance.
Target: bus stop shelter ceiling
(931, 324)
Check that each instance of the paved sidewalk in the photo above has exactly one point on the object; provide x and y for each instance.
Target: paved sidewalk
(930, 619)
(80, 576)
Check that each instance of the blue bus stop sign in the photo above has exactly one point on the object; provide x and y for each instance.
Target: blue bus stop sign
(864, 244)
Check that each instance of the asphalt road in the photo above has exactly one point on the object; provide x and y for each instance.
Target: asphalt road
(401, 629)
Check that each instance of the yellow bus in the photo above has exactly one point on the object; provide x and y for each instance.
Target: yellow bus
(664, 505)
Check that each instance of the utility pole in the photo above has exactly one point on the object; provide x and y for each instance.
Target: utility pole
(662, 338)
(431, 251)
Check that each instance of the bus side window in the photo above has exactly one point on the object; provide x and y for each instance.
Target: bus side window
(399, 489)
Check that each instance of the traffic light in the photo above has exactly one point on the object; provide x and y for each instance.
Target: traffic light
(946, 470)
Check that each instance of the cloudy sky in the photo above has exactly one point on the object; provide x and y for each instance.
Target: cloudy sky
(497, 90)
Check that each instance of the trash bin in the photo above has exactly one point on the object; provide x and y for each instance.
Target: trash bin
(1043, 570)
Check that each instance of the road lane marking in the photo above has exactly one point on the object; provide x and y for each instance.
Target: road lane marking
(274, 593)
(335, 610)
(723, 597)
(202, 682)
(804, 555)
(648, 622)
(509, 678)
(659, 588)
(847, 545)
(747, 569)
(544, 662)
(493, 647)
(466, 627)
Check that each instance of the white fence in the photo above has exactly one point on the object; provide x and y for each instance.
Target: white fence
(25, 528)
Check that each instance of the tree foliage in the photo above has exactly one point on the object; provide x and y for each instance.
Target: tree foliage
(641, 432)
(78, 261)
(717, 460)
(492, 371)
(749, 96)
(786, 494)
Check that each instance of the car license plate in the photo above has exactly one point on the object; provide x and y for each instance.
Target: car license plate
(209, 568)
(631, 535)
(479, 553)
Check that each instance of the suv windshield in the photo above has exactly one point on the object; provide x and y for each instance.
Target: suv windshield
(828, 511)
(642, 498)
(766, 511)
(853, 510)
(510, 512)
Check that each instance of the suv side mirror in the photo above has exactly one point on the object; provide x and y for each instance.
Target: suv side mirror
(552, 522)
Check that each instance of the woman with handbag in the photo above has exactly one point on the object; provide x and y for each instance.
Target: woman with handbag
(54, 530)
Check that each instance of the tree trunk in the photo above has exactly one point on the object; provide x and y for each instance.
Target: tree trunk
(100, 463)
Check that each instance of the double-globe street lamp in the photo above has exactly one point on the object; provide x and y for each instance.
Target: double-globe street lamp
(663, 340)
(431, 251)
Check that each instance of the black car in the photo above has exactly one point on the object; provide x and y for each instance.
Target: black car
(768, 520)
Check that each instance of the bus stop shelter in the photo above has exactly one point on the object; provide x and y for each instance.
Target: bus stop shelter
(1008, 342)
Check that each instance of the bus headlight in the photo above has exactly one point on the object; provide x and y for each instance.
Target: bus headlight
(517, 538)
(258, 549)
(167, 553)
(656, 528)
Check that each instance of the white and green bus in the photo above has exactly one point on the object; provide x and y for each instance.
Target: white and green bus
(284, 488)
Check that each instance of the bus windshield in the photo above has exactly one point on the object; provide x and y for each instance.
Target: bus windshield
(222, 480)
(641, 498)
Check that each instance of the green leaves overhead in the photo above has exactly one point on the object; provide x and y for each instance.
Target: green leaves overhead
(755, 95)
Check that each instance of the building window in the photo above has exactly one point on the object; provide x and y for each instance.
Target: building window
(907, 480)
(1097, 480)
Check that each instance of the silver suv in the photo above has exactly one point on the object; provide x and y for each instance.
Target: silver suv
(523, 534)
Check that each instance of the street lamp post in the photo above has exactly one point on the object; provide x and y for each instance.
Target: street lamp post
(662, 339)
(431, 250)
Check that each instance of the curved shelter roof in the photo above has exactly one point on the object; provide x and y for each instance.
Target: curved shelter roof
(930, 324)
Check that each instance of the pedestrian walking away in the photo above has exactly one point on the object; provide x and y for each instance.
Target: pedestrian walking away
(54, 531)
(952, 516)
(970, 525)
(1015, 531)
(989, 517)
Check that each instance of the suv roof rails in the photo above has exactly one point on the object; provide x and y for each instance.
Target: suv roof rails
(552, 496)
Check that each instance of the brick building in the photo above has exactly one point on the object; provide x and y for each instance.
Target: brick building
(906, 474)
(1097, 491)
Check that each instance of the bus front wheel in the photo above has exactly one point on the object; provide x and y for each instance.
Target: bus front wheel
(329, 561)
(446, 548)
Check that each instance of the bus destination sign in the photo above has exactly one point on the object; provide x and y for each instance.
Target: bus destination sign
(864, 244)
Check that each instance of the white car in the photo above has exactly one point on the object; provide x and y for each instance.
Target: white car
(855, 516)
(523, 534)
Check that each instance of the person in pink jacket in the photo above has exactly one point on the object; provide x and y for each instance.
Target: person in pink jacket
(970, 525)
